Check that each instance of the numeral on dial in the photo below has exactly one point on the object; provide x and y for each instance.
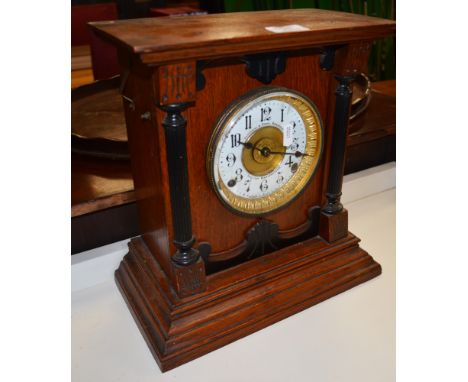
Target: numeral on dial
(230, 159)
(248, 122)
(235, 140)
(265, 114)
(295, 145)
(239, 175)
(264, 185)
(247, 183)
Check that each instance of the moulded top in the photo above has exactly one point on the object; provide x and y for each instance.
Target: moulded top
(175, 38)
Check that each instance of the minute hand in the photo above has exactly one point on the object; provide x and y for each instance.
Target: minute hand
(297, 154)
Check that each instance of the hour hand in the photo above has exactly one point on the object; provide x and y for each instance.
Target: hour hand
(247, 145)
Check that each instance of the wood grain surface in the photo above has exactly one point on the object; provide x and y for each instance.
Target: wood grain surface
(167, 39)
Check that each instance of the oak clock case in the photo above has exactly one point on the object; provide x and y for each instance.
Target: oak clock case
(264, 150)
(222, 252)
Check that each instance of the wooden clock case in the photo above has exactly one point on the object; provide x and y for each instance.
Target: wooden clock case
(200, 276)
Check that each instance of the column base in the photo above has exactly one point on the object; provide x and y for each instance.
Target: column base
(334, 227)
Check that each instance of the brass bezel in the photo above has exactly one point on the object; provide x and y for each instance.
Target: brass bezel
(308, 165)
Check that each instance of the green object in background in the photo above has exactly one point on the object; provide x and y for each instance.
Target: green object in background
(238, 6)
(382, 57)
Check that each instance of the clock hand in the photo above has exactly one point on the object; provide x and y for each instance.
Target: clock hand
(266, 151)
(248, 145)
(297, 154)
(251, 146)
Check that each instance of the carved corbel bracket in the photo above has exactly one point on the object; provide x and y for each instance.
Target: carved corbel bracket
(327, 58)
(265, 66)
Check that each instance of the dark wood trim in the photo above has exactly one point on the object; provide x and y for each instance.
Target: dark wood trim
(335, 178)
(327, 57)
(174, 126)
(265, 67)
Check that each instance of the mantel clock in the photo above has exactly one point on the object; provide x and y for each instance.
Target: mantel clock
(237, 127)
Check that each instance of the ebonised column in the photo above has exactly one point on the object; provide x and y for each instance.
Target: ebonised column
(174, 125)
(343, 95)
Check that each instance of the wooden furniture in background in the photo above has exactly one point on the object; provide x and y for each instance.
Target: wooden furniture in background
(94, 59)
(103, 203)
(182, 310)
(99, 184)
(80, 57)
(176, 11)
(81, 77)
(373, 138)
(88, 50)
(82, 14)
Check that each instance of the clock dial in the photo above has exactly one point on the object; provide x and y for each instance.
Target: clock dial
(264, 150)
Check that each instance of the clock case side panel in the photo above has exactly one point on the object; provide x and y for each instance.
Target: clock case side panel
(224, 81)
(147, 156)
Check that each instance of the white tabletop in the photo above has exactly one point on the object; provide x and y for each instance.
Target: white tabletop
(350, 337)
